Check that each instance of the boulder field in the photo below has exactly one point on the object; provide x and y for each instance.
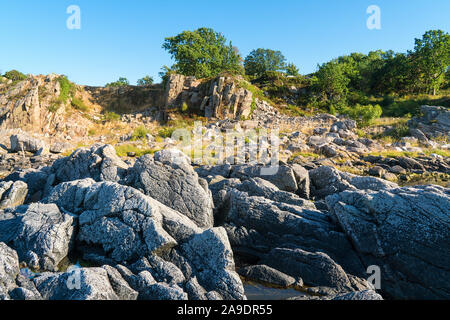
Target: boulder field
(91, 226)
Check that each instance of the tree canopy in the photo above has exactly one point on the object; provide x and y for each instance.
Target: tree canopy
(203, 53)
(119, 83)
(145, 81)
(260, 61)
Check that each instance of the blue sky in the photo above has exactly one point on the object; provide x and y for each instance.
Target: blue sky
(124, 38)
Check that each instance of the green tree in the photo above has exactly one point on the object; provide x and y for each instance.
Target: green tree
(292, 70)
(145, 81)
(15, 75)
(119, 83)
(432, 57)
(332, 83)
(260, 61)
(203, 53)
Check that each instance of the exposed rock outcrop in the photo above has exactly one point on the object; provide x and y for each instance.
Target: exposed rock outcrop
(405, 232)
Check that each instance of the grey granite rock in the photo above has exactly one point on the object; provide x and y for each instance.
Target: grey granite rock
(176, 186)
(12, 194)
(40, 233)
(404, 231)
(265, 274)
(78, 284)
(328, 180)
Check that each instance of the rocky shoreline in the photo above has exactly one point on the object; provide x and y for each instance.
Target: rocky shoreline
(160, 228)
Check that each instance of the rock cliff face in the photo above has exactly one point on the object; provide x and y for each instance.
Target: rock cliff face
(221, 97)
(32, 105)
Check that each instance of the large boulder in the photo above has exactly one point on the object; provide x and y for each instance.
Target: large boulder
(77, 284)
(212, 258)
(119, 224)
(40, 233)
(12, 194)
(267, 275)
(9, 268)
(38, 181)
(257, 224)
(99, 162)
(316, 269)
(174, 184)
(404, 231)
(23, 142)
(328, 180)
(282, 176)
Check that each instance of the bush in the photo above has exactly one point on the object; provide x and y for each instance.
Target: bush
(67, 89)
(119, 83)
(184, 107)
(111, 116)
(364, 115)
(79, 105)
(139, 133)
(166, 132)
(15, 75)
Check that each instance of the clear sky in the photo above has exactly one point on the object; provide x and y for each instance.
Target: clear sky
(124, 38)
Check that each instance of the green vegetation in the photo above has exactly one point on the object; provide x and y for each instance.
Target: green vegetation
(124, 149)
(145, 81)
(166, 132)
(15, 76)
(354, 78)
(292, 70)
(119, 83)
(304, 155)
(67, 90)
(184, 107)
(79, 105)
(203, 53)
(260, 61)
(111, 116)
(364, 115)
(139, 133)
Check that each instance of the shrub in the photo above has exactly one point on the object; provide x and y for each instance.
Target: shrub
(111, 116)
(139, 133)
(79, 105)
(166, 132)
(364, 115)
(184, 107)
(145, 81)
(119, 83)
(15, 75)
(67, 89)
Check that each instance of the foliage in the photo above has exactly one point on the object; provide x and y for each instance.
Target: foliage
(332, 82)
(139, 133)
(145, 81)
(67, 89)
(432, 55)
(260, 61)
(79, 105)
(119, 83)
(364, 115)
(124, 149)
(292, 70)
(111, 116)
(184, 107)
(203, 53)
(15, 75)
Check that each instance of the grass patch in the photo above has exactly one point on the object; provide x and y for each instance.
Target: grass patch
(110, 116)
(123, 150)
(304, 155)
(67, 90)
(79, 105)
(139, 133)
